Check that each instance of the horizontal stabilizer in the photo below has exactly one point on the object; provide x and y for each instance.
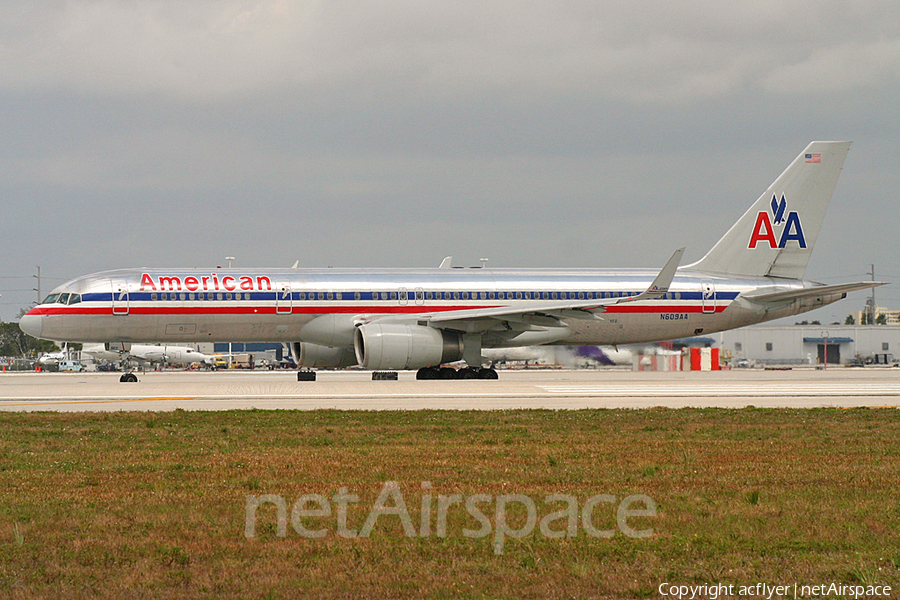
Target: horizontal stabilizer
(767, 296)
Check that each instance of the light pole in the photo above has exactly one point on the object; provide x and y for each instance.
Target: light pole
(38, 288)
(825, 350)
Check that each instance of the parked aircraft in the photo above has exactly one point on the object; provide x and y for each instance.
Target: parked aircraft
(148, 354)
(565, 355)
(144, 354)
(423, 318)
(49, 359)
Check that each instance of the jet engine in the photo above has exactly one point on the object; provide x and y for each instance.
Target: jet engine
(314, 355)
(399, 346)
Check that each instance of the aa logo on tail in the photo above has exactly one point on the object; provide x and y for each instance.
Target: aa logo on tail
(764, 230)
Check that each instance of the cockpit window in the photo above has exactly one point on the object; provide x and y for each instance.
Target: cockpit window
(63, 299)
(50, 299)
(74, 299)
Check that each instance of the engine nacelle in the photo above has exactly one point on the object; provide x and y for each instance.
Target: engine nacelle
(313, 355)
(397, 346)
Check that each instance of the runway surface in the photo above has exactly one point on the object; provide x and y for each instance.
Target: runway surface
(161, 391)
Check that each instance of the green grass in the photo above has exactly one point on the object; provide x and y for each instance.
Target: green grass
(153, 505)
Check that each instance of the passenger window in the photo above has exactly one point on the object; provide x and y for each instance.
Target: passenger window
(357, 296)
(154, 296)
(329, 296)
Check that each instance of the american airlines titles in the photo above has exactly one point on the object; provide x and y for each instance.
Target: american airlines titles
(205, 283)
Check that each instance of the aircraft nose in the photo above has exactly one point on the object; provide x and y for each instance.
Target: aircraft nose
(32, 324)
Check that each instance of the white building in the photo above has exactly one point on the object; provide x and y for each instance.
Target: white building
(806, 344)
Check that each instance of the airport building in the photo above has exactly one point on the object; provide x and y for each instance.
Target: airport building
(883, 316)
(808, 344)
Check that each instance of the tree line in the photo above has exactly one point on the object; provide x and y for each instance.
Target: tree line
(15, 342)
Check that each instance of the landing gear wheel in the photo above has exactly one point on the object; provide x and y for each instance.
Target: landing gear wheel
(128, 378)
(488, 374)
(447, 373)
(428, 373)
(468, 373)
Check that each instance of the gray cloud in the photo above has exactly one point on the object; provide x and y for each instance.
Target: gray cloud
(385, 134)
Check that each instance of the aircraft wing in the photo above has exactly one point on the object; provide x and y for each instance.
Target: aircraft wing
(551, 313)
(773, 295)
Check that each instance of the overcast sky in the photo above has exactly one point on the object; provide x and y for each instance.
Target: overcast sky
(572, 134)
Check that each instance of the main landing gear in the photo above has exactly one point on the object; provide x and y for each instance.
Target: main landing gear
(450, 373)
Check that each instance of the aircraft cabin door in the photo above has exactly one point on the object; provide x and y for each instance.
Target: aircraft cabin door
(284, 300)
(420, 296)
(403, 296)
(120, 304)
(708, 293)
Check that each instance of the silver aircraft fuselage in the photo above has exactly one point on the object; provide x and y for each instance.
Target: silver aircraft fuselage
(273, 305)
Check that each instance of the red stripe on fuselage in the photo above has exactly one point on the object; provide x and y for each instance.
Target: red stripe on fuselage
(663, 309)
(245, 310)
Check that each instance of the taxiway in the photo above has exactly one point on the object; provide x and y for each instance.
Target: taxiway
(354, 390)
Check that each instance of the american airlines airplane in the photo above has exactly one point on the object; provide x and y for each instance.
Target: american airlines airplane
(391, 319)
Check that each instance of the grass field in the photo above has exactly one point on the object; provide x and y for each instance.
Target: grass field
(153, 505)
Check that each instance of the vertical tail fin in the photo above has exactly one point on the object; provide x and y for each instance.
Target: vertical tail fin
(775, 237)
